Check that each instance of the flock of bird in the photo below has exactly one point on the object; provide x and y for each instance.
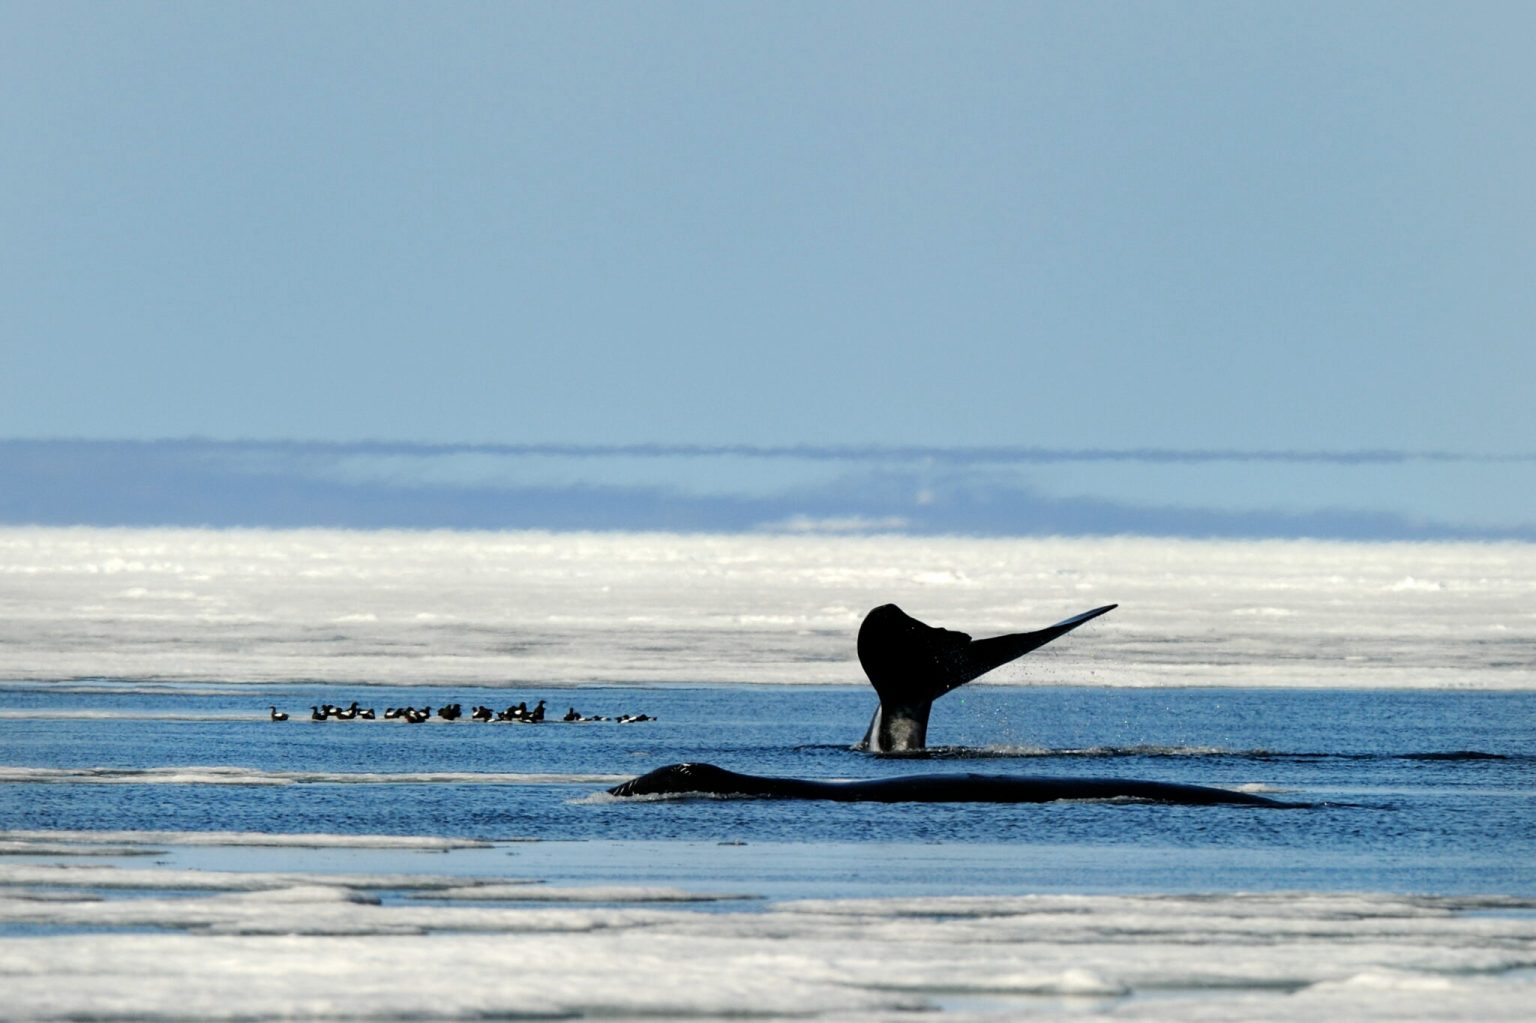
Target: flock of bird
(519, 713)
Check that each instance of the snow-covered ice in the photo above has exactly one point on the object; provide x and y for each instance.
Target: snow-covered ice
(511, 608)
(263, 944)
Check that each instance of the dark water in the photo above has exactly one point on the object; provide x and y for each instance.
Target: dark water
(1411, 791)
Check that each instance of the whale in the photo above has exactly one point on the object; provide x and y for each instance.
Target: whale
(911, 663)
(709, 780)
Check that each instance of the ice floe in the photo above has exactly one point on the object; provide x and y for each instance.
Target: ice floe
(203, 607)
(327, 946)
(161, 942)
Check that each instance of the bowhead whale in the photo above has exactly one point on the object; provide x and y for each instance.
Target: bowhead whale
(911, 664)
(707, 779)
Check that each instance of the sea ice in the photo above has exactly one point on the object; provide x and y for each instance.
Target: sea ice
(328, 946)
(239, 606)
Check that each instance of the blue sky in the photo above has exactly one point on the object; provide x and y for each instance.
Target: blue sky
(1087, 226)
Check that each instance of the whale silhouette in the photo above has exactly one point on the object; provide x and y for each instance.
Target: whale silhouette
(707, 779)
(911, 664)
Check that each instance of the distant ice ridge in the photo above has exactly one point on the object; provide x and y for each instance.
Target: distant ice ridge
(226, 945)
(240, 606)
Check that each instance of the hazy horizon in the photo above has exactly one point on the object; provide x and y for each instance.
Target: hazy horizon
(1002, 491)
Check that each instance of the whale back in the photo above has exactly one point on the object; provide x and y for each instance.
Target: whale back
(709, 780)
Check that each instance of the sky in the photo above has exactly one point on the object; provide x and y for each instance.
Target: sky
(1179, 226)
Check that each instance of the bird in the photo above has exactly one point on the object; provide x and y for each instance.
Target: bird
(278, 715)
(316, 714)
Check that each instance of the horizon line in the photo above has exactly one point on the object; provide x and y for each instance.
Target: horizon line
(954, 454)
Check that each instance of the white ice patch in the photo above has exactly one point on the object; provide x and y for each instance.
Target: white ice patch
(1408, 584)
(152, 879)
(258, 606)
(321, 946)
(525, 892)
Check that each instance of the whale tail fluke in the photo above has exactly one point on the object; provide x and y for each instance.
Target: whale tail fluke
(911, 664)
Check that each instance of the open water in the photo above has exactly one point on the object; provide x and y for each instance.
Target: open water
(1412, 791)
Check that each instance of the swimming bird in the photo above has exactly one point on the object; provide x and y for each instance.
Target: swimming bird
(572, 715)
(278, 715)
(316, 714)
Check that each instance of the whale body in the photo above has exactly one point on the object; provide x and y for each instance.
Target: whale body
(707, 779)
(911, 664)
